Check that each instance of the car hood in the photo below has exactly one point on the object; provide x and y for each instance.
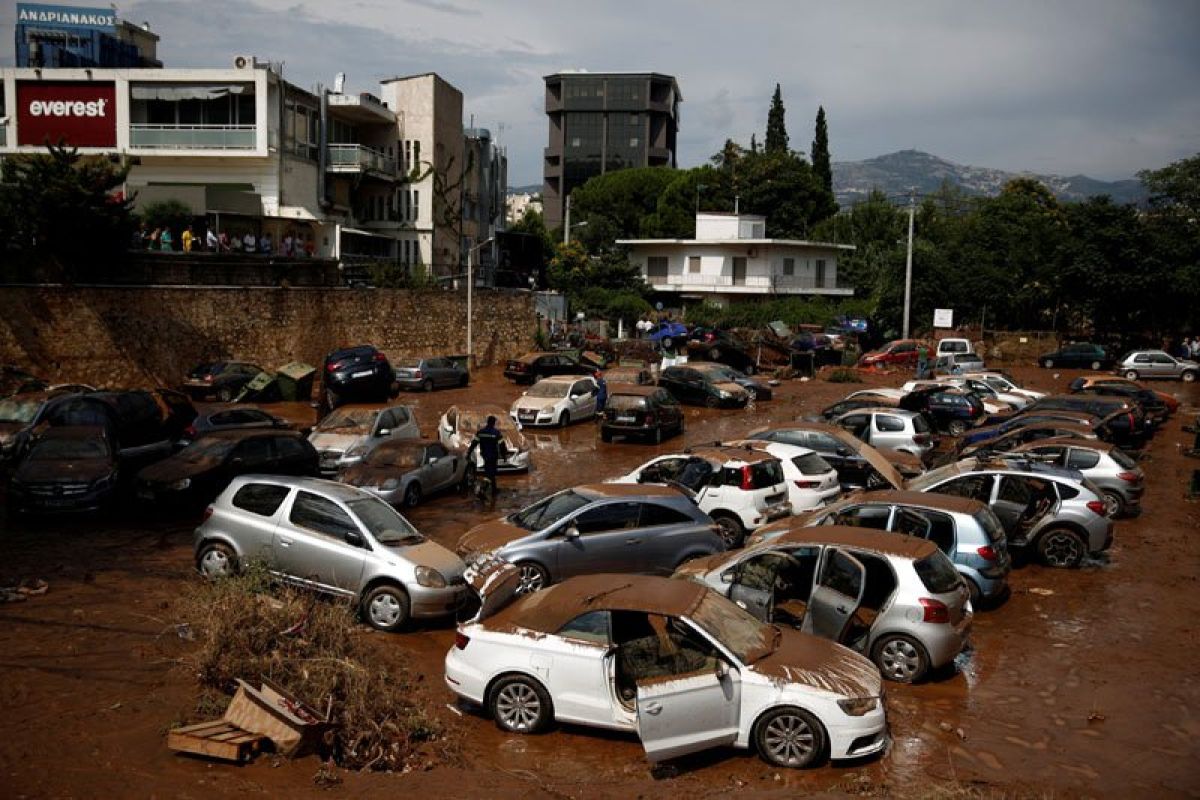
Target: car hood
(536, 403)
(821, 664)
(173, 469)
(696, 568)
(488, 537)
(63, 471)
(729, 386)
(367, 475)
(335, 441)
(431, 554)
(882, 465)
(904, 462)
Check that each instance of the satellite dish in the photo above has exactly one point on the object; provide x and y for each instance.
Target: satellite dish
(659, 305)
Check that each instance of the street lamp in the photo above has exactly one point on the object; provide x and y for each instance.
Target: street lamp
(567, 226)
(470, 298)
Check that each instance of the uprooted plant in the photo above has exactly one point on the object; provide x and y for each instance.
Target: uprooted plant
(246, 628)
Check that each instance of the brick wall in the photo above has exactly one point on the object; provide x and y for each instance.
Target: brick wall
(126, 337)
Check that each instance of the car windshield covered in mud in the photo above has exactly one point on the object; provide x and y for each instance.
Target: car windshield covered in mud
(348, 420)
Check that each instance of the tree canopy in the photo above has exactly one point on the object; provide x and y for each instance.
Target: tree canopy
(777, 136)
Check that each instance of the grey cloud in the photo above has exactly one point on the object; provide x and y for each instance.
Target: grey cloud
(448, 8)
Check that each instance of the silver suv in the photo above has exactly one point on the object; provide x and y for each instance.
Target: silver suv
(1058, 513)
(895, 598)
(1145, 364)
(894, 428)
(1102, 463)
(335, 539)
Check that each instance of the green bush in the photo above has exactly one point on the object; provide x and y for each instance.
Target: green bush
(844, 375)
(173, 214)
(791, 310)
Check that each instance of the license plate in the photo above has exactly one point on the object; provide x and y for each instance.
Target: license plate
(365, 374)
(626, 418)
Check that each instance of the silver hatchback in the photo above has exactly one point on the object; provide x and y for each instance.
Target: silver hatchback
(1145, 364)
(893, 428)
(335, 539)
(897, 599)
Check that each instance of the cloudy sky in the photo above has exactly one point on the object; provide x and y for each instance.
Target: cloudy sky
(1099, 87)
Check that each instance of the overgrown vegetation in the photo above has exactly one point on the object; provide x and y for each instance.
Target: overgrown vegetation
(171, 213)
(314, 649)
(844, 375)
(792, 310)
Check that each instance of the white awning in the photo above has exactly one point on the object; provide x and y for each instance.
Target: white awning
(187, 91)
(358, 232)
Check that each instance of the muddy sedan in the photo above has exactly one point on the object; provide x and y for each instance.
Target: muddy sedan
(676, 663)
(407, 470)
(72, 468)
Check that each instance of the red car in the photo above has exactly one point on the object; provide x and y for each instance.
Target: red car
(901, 352)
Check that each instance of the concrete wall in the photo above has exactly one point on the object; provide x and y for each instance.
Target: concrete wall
(127, 337)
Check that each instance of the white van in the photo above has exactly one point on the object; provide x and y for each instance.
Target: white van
(949, 347)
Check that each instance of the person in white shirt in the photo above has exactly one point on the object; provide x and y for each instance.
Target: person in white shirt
(210, 240)
(249, 242)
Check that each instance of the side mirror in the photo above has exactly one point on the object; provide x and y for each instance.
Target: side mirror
(721, 670)
(353, 538)
(571, 532)
(843, 450)
(384, 432)
(727, 576)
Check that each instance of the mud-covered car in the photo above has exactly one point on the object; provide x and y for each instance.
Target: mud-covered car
(694, 387)
(228, 419)
(334, 539)
(720, 347)
(532, 367)
(896, 599)
(858, 464)
(638, 376)
(647, 412)
(71, 468)
(223, 380)
(717, 373)
(457, 427)
(348, 433)
(1119, 477)
(1024, 435)
(557, 400)
(675, 663)
(895, 428)
(405, 471)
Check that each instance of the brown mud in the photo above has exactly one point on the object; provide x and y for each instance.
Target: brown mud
(1082, 684)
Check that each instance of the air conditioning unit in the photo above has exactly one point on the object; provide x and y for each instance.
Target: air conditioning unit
(244, 62)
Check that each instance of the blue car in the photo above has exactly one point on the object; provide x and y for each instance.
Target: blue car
(668, 333)
(989, 432)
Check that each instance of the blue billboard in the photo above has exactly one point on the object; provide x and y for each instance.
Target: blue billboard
(66, 16)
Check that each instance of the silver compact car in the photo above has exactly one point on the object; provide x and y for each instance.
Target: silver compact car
(1145, 364)
(348, 433)
(894, 428)
(1103, 463)
(896, 599)
(557, 400)
(335, 539)
(405, 471)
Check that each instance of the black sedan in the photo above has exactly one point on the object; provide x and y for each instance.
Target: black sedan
(1078, 355)
(70, 468)
(221, 379)
(532, 367)
(690, 386)
(359, 374)
(718, 373)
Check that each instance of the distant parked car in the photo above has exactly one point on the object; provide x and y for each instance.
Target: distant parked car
(1146, 364)
(347, 434)
(427, 374)
(639, 376)
(1022, 435)
(859, 400)
(1003, 384)
(358, 374)
(958, 363)
(1077, 355)
(404, 471)
(720, 347)
(951, 346)
(221, 379)
(950, 409)
(1089, 381)
(649, 412)
(1106, 465)
(694, 387)
(202, 470)
(532, 367)
(668, 334)
(335, 539)
(596, 528)
(718, 373)
(70, 468)
(457, 427)
(557, 400)
(228, 419)
(1123, 421)
(900, 353)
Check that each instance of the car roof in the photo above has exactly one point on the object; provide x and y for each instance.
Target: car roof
(551, 608)
(765, 445)
(882, 542)
(1056, 425)
(72, 432)
(940, 502)
(563, 378)
(724, 452)
(631, 388)
(1068, 441)
(599, 490)
(354, 350)
(903, 413)
(340, 491)
(535, 355)
(237, 434)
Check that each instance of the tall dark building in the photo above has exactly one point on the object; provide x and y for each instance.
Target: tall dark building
(72, 36)
(605, 121)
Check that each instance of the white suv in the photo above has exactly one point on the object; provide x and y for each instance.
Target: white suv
(741, 488)
(811, 481)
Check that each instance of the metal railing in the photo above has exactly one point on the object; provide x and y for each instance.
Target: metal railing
(192, 137)
(766, 282)
(355, 157)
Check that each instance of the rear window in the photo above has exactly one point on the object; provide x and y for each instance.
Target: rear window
(937, 573)
(811, 464)
(763, 475)
(1122, 458)
(260, 498)
(920, 424)
(626, 402)
(992, 528)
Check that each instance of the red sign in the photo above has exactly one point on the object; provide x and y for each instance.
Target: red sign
(79, 114)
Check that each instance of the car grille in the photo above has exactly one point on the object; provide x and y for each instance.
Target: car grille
(329, 458)
(58, 489)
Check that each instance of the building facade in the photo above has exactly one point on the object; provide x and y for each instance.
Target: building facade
(731, 260)
(485, 186)
(52, 36)
(601, 122)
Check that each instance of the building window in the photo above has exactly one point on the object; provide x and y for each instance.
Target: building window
(693, 264)
(576, 141)
(634, 141)
(820, 276)
(416, 152)
(656, 266)
(789, 266)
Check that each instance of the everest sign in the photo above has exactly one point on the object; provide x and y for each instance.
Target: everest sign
(79, 114)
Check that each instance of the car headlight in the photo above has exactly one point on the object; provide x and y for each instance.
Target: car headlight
(390, 484)
(180, 485)
(430, 578)
(858, 706)
(354, 452)
(724, 395)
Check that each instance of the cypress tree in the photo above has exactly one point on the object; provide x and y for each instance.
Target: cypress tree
(753, 144)
(820, 152)
(777, 138)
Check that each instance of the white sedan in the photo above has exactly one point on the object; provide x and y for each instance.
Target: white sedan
(670, 660)
(457, 428)
(811, 481)
(557, 400)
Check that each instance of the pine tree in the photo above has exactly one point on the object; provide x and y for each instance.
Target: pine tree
(753, 144)
(777, 138)
(820, 152)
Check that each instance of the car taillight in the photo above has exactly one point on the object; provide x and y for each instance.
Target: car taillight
(208, 512)
(461, 640)
(1132, 425)
(747, 480)
(1097, 507)
(921, 438)
(807, 484)
(988, 553)
(190, 431)
(332, 367)
(380, 357)
(417, 373)
(935, 610)
(1130, 477)
(208, 378)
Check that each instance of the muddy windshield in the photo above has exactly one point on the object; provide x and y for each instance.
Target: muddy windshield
(206, 450)
(22, 411)
(387, 526)
(626, 402)
(68, 450)
(348, 420)
(399, 457)
(739, 631)
(540, 516)
(548, 389)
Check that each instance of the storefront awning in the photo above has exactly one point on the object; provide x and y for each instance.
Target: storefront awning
(189, 91)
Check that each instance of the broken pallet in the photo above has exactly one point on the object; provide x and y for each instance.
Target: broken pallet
(216, 739)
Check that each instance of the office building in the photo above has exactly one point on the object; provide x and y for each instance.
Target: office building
(71, 36)
(485, 185)
(604, 121)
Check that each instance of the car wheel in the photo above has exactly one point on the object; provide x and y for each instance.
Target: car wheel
(385, 608)
(732, 532)
(901, 659)
(789, 737)
(533, 577)
(1061, 548)
(216, 560)
(956, 427)
(520, 705)
(711, 402)
(412, 495)
(225, 394)
(463, 381)
(1188, 377)
(1115, 503)
(1096, 366)
(1048, 363)
(564, 419)
(427, 385)
(1131, 374)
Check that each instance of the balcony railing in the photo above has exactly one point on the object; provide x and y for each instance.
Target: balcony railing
(192, 137)
(703, 281)
(357, 158)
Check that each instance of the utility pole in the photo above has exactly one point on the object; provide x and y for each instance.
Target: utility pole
(567, 222)
(912, 210)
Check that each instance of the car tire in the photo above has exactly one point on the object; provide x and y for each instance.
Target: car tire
(1061, 548)
(789, 737)
(534, 577)
(216, 560)
(462, 382)
(412, 495)
(1131, 374)
(519, 704)
(711, 402)
(386, 608)
(564, 419)
(1116, 502)
(1188, 377)
(427, 385)
(733, 533)
(1096, 366)
(956, 427)
(900, 658)
(225, 394)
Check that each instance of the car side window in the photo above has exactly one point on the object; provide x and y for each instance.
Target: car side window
(1014, 489)
(1162, 359)
(941, 529)
(289, 447)
(871, 516)
(841, 574)
(1051, 454)
(889, 424)
(592, 627)
(321, 515)
(1142, 358)
(1082, 459)
(655, 514)
(977, 487)
(260, 498)
(254, 452)
(608, 517)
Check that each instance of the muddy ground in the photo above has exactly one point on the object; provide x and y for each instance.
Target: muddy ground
(1082, 684)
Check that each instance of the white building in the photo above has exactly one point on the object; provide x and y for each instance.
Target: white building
(517, 204)
(732, 260)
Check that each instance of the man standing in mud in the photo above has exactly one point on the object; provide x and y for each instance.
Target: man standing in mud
(488, 440)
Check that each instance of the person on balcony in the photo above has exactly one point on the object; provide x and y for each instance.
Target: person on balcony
(265, 246)
(250, 243)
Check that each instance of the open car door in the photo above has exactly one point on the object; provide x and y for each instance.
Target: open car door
(755, 580)
(495, 582)
(837, 594)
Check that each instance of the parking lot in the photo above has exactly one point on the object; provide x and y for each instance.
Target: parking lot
(1081, 683)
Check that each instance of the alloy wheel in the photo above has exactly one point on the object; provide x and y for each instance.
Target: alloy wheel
(899, 660)
(518, 707)
(215, 563)
(789, 740)
(1062, 549)
(533, 579)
